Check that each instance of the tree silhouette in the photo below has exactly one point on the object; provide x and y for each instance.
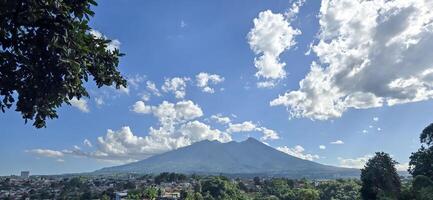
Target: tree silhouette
(379, 178)
(47, 51)
(421, 162)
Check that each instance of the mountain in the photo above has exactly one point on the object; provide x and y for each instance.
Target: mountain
(246, 158)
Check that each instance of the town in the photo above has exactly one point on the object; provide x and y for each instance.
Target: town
(173, 186)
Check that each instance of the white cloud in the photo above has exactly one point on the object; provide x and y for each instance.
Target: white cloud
(145, 97)
(99, 101)
(246, 126)
(124, 146)
(46, 153)
(298, 151)
(182, 24)
(322, 147)
(170, 112)
(402, 166)
(371, 53)
(141, 107)
(272, 35)
(379, 129)
(364, 131)
(123, 89)
(375, 119)
(151, 86)
(81, 104)
(220, 119)
(87, 143)
(176, 85)
(354, 162)
(197, 131)
(204, 80)
(269, 134)
(337, 142)
(266, 84)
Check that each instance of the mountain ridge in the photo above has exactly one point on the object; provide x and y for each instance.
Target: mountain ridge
(248, 157)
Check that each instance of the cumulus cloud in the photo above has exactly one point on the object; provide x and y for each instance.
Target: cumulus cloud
(221, 119)
(151, 86)
(46, 153)
(337, 142)
(269, 134)
(271, 35)
(177, 127)
(322, 147)
(248, 126)
(125, 146)
(87, 143)
(370, 54)
(402, 166)
(204, 80)
(299, 152)
(197, 131)
(176, 85)
(141, 107)
(81, 104)
(354, 162)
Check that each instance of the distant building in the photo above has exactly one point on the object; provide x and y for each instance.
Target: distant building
(121, 195)
(25, 174)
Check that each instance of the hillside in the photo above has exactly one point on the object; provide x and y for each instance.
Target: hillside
(249, 157)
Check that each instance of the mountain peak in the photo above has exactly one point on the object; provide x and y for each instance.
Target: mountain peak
(213, 157)
(251, 140)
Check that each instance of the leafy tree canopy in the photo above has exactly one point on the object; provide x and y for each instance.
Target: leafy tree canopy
(47, 51)
(379, 178)
(427, 135)
(421, 162)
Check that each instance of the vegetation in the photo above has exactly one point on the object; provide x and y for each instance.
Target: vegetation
(169, 177)
(340, 189)
(380, 179)
(47, 51)
(421, 167)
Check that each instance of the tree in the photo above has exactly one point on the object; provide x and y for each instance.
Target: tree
(427, 135)
(340, 189)
(421, 162)
(307, 194)
(423, 188)
(105, 197)
(150, 193)
(221, 188)
(47, 51)
(379, 178)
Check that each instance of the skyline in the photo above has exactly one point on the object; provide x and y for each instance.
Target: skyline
(232, 70)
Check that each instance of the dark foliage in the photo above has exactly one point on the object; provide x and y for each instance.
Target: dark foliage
(421, 162)
(47, 52)
(379, 178)
(169, 177)
(427, 135)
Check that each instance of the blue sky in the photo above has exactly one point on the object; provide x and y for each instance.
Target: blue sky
(368, 99)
